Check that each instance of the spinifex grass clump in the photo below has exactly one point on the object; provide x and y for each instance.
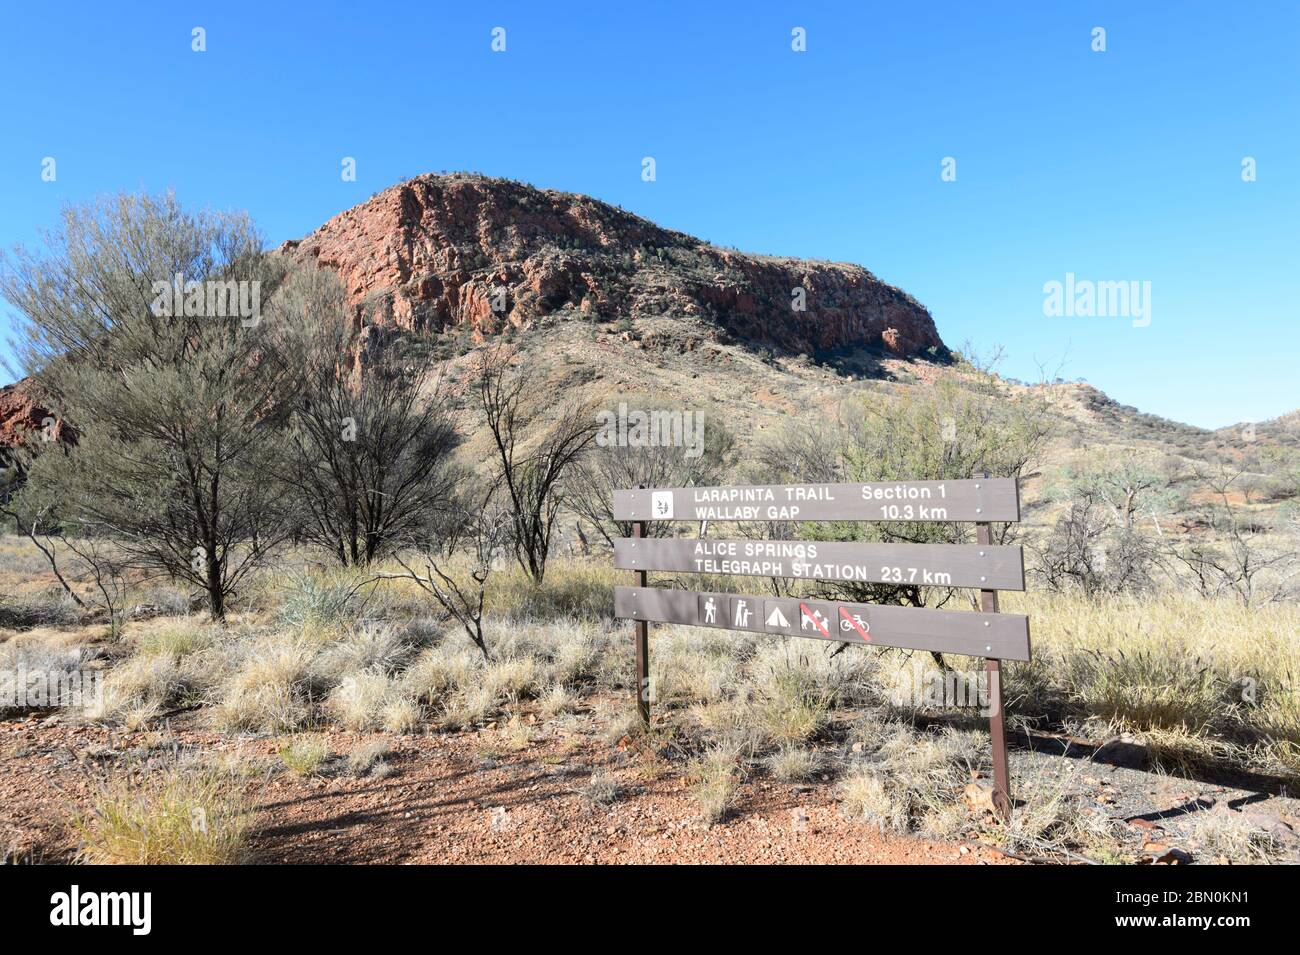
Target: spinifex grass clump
(304, 755)
(176, 816)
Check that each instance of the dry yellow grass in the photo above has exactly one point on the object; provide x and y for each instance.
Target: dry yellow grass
(1208, 677)
(173, 817)
(1201, 681)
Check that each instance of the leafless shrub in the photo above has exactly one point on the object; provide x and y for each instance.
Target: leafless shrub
(531, 478)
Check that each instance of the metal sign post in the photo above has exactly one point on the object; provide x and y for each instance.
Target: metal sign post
(641, 629)
(993, 668)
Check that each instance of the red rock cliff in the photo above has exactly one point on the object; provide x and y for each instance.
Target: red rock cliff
(431, 253)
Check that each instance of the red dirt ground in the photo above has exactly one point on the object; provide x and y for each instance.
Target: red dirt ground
(442, 802)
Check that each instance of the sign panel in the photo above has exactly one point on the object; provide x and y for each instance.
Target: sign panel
(1002, 636)
(981, 499)
(927, 565)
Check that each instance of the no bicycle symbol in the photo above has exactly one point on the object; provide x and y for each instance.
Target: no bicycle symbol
(855, 622)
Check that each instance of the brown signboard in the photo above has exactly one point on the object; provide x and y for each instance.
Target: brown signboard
(1000, 635)
(981, 499)
(988, 567)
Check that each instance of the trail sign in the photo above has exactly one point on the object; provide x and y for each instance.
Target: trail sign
(922, 565)
(983, 565)
(981, 499)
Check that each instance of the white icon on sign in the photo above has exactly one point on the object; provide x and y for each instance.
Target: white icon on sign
(661, 505)
(816, 620)
(743, 613)
(777, 619)
(847, 624)
(710, 611)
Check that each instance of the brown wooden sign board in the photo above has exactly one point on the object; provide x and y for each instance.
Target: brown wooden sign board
(984, 499)
(925, 565)
(1001, 635)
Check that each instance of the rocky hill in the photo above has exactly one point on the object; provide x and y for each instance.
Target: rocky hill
(439, 252)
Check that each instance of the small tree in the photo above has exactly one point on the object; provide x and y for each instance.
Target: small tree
(173, 396)
(1129, 485)
(38, 524)
(461, 590)
(34, 509)
(1232, 556)
(369, 444)
(950, 430)
(1085, 551)
(530, 474)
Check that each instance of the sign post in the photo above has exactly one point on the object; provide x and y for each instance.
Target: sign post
(993, 668)
(641, 630)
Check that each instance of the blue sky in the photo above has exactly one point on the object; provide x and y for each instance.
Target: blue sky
(1123, 165)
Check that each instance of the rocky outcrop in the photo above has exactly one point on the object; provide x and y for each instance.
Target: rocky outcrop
(24, 417)
(439, 252)
(26, 421)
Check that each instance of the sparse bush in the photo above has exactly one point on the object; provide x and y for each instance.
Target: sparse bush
(556, 701)
(602, 789)
(792, 764)
(714, 782)
(270, 691)
(360, 700)
(304, 755)
(378, 647)
(320, 605)
(514, 735)
(171, 817)
(1227, 836)
(1052, 821)
(1085, 551)
(866, 795)
(400, 716)
(176, 639)
(368, 759)
(143, 685)
(469, 706)
(512, 679)
(792, 707)
(910, 777)
(440, 670)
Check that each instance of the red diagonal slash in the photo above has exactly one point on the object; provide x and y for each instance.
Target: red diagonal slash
(809, 614)
(845, 614)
